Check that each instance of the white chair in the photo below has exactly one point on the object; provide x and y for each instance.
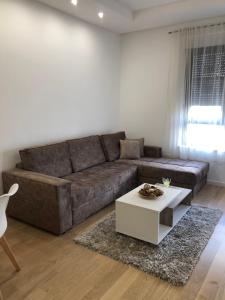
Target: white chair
(4, 199)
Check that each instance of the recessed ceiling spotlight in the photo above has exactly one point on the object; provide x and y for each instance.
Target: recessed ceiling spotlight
(74, 2)
(101, 14)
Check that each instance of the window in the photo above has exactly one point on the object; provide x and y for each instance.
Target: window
(205, 99)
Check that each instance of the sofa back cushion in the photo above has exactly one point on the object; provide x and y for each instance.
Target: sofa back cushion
(53, 160)
(86, 152)
(111, 145)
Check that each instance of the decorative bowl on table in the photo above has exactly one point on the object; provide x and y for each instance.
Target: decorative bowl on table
(150, 192)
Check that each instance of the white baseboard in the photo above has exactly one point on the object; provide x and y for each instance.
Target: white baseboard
(217, 183)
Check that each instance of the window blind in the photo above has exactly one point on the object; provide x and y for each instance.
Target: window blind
(208, 76)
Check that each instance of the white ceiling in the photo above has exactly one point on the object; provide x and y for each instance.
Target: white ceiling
(143, 4)
(131, 15)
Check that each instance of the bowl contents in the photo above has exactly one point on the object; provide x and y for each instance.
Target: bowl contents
(150, 191)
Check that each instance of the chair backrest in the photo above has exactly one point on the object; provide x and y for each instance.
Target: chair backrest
(4, 199)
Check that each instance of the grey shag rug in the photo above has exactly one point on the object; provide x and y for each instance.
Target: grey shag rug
(173, 259)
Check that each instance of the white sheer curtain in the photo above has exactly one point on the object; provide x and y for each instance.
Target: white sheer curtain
(196, 123)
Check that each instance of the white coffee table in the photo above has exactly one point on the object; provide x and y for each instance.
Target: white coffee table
(151, 220)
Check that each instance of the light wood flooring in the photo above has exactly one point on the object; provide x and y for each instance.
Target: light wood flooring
(55, 268)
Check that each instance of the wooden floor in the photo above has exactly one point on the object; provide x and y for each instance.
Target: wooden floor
(56, 268)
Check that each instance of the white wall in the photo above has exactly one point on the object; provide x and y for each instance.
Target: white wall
(144, 85)
(144, 73)
(59, 78)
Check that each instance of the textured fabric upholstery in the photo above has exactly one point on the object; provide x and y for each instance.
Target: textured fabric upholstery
(111, 145)
(130, 149)
(41, 200)
(141, 142)
(55, 204)
(86, 152)
(182, 172)
(52, 160)
(98, 186)
(152, 151)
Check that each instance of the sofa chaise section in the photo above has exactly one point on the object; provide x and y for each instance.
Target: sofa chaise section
(152, 167)
(183, 173)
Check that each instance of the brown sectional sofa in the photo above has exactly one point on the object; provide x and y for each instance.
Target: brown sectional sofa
(63, 184)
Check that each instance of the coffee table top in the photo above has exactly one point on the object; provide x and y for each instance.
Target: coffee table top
(170, 195)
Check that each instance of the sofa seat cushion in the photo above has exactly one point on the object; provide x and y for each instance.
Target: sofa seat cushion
(86, 152)
(52, 160)
(111, 145)
(180, 171)
(98, 186)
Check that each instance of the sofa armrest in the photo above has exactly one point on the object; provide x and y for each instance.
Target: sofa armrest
(43, 201)
(152, 151)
